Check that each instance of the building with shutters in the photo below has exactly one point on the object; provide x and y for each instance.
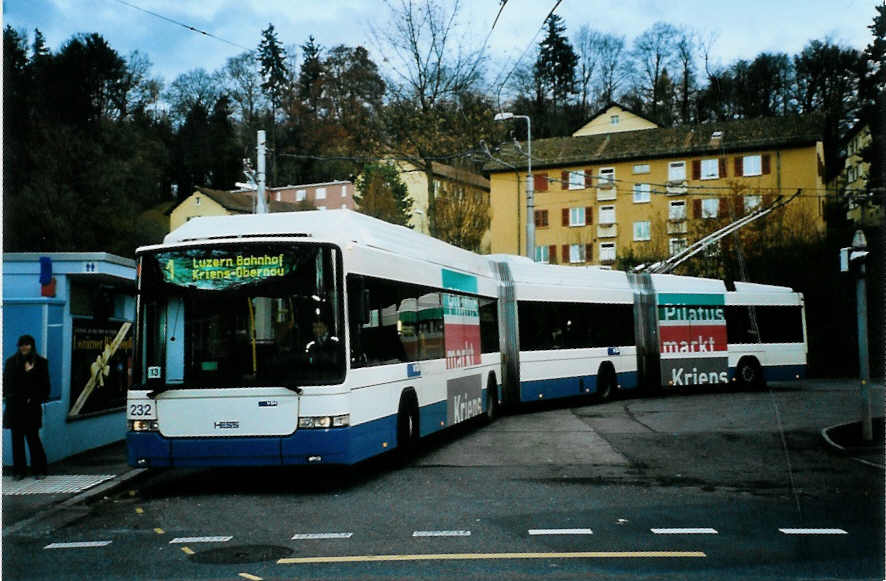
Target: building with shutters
(621, 184)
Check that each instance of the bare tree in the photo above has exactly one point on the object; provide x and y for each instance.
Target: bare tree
(244, 86)
(687, 50)
(587, 45)
(614, 67)
(193, 88)
(431, 113)
(654, 51)
(462, 216)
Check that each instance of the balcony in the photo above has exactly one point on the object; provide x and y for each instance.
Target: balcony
(607, 256)
(607, 230)
(606, 192)
(676, 187)
(677, 226)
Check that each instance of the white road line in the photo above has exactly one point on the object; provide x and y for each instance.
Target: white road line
(79, 545)
(561, 532)
(701, 531)
(200, 540)
(441, 533)
(813, 531)
(313, 536)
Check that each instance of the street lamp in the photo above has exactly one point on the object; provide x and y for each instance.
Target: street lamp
(530, 184)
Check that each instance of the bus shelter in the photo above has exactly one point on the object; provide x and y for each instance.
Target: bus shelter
(80, 309)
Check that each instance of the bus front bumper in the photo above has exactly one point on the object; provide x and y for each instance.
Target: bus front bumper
(324, 446)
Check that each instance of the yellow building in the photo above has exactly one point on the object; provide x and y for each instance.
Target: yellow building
(621, 184)
(209, 202)
(852, 180)
(446, 177)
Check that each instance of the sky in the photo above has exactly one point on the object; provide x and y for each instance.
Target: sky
(741, 29)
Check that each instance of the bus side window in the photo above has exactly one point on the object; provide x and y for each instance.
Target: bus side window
(359, 316)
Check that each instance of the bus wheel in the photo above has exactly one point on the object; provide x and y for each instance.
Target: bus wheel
(749, 373)
(491, 400)
(407, 427)
(605, 384)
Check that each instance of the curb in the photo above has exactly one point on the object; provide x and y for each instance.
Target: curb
(843, 449)
(82, 497)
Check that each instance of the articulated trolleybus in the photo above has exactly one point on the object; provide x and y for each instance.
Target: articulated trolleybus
(329, 337)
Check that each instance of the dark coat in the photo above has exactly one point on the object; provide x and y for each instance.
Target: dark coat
(24, 392)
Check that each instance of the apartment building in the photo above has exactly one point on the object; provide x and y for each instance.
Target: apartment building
(622, 184)
(322, 196)
(446, 178)
(209, 202)
(852, 181)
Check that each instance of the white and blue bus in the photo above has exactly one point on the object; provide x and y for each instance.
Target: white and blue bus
(331, 337)
(571, 331)
(310, 337)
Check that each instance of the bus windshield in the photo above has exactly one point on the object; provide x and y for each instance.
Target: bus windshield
(250, 314)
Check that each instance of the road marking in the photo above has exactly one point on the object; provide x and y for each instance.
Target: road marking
(813, 531)
(494, 556)
(200, 540)
(78, 545)
(561, 532)
(441, 533)
(187, 551)
(701, 531)
(250, 577)
(314, 536)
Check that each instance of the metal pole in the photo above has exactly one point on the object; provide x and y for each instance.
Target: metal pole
(863, 363)
(261, 206)
(530, 195)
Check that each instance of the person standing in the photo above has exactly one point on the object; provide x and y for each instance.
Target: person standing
(25, 388)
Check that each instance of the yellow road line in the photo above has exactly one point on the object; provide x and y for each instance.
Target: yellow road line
(187, 551)
(494, 556)
(250, 577)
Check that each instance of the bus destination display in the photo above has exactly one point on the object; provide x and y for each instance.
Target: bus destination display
(219, 269)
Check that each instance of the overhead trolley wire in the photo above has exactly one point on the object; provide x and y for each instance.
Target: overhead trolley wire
(182, 24)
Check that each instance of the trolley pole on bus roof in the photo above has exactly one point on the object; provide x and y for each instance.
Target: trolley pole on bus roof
(261, 206)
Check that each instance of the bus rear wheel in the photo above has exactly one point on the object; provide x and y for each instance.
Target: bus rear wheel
(407, 427)
(491, 400)
(606, 384)
(749, 374)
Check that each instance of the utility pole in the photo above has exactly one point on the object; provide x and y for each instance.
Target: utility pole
(261, 206)
(858, 251)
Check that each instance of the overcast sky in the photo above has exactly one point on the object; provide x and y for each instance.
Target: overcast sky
(743, 29)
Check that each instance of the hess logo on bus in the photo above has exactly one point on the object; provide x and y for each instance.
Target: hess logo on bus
(227, 425)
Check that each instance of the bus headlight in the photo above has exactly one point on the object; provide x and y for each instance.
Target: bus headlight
(322, 422)
(144, 425)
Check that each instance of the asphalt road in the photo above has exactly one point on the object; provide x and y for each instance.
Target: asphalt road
(712, 485)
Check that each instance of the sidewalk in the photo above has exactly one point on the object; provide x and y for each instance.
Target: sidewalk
(70, 482)
(847, 439)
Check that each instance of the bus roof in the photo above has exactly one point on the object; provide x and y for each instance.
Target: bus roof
(340, 226)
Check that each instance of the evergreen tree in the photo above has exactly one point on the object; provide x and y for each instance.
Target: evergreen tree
(310, 77)
(275, 75)
(556, 62)
(382, 194)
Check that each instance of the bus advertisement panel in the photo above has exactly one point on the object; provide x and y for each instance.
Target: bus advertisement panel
(692, 332)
